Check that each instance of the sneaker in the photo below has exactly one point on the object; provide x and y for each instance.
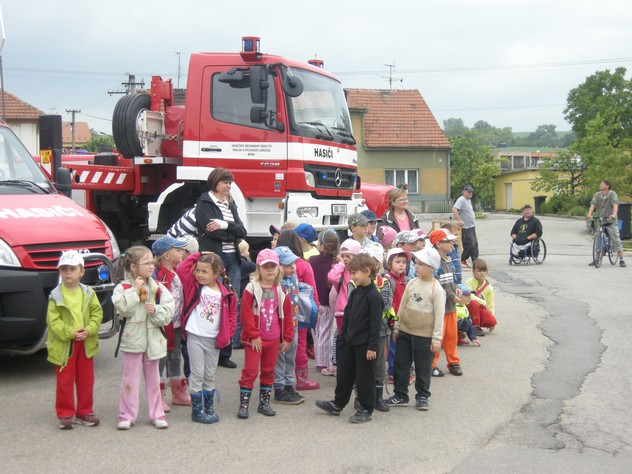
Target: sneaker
(621, 263)
(124, 425)
(286, 397)
(391, 380)
(463, 342)
(226, 362)
(88, 420)
(66, 423)
(421, 403)
(160, 423)
(437, 372)
(455, 369)
(464, 264)
(591, 264)
(479, 331)
(329, 406)
(329, 371)
(396, 401)
(361, 416)
(289, 389)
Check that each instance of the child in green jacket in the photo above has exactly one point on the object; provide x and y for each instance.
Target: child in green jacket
(74, 317)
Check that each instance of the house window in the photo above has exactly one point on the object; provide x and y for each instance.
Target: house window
(397, 177)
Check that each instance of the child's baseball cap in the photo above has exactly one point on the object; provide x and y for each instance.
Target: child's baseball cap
(429, 256)
(374, 250)
(192, 245)
(350, 247)
(71, 258)
(441, 234)
(166, 243)
(465, 289)
(388, 235)
(370, 215)
(267, 256)
(274, 230)
(406, 237)
(396, 251)
(286, 256)
(357, 219)
(307, 232)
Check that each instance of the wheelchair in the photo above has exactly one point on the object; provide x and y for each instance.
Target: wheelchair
(534, 251)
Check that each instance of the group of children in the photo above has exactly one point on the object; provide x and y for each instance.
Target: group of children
(385, 302)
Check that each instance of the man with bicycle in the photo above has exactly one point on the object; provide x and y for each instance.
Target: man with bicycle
(606, 202)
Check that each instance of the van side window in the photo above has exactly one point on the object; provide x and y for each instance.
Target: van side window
(231, 102)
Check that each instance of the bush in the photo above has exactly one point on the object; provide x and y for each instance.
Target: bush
(577, 211)
(560, 204)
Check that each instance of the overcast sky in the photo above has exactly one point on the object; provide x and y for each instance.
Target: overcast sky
(508, 62)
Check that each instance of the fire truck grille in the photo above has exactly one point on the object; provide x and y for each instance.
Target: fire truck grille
(332, 177)
(46, 256)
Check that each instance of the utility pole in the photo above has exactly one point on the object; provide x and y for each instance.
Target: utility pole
(130, 85)
(72, 125)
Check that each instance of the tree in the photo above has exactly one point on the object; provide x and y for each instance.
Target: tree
(475, 164)
(95, 144)
(544, 136)
(606, 93)
(562, 174)
(454, 127)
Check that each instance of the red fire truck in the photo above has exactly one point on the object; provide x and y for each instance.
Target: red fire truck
(281, 127)
(36, 225)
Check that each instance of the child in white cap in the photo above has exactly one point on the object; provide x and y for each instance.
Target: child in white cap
(418, 330)
(74, 316)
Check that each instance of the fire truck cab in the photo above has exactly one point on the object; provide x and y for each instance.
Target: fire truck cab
(281, 127)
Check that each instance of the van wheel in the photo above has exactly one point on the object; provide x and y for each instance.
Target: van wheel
(125, 123)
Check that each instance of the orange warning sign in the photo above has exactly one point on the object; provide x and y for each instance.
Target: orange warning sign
(46, 156)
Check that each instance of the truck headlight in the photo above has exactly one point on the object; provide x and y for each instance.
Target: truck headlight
(307, 212)
(309, 178)
(116, 251)
(7, 256)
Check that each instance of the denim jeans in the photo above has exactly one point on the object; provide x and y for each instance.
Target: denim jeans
(232, 262)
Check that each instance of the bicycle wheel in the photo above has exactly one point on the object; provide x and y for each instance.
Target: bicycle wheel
(612, 254)
(597, 248)
(538, 251)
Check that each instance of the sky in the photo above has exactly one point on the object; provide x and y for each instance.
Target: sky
(508, 62)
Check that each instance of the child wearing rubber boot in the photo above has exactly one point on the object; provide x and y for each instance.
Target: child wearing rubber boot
(418, 330)
(357, 343)
(169, 253)
(74, 316)
(209, 319)
(267, 328)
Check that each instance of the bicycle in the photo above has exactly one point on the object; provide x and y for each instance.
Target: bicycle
(601, 244)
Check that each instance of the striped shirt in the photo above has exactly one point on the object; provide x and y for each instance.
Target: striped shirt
(227, 215)
(186, 225)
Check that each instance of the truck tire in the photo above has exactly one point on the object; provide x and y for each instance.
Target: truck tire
(125, 123)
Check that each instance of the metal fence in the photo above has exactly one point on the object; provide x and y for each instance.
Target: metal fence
(432, 206)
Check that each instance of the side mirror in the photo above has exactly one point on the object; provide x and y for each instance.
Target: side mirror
(259, 114)
(64, 181)
(259, 84)
(292, 86)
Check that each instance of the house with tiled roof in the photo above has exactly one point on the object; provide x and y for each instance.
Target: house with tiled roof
(82, 134)
(23, 120)
(400, 142)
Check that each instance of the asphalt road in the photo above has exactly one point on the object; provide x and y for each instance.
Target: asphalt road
(547, 391)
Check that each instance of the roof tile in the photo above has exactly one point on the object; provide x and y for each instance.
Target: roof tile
(396, 119)
(18, 109)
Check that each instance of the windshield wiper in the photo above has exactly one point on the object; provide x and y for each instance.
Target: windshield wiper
(346, 135)
(23, 183)
(320, 136)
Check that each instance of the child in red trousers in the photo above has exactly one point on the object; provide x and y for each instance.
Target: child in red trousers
(267, 327)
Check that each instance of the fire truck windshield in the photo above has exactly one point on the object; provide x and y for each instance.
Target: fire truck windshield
(321, 110)
(19, 173)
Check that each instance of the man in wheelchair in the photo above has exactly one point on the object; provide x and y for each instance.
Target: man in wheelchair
(526, 229)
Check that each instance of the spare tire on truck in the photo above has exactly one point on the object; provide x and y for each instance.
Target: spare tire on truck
(125, 123)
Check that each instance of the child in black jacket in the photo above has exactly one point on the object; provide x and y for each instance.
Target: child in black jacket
(357, 343)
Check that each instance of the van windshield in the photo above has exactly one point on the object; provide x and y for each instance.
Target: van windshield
(18, 170)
